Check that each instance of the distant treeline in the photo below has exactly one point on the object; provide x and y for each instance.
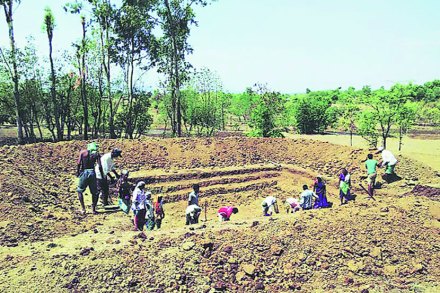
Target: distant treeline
(95, 88)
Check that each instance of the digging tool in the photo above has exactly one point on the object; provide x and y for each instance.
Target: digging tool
(369, 195)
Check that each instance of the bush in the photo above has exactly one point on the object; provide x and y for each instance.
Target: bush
(313, 114)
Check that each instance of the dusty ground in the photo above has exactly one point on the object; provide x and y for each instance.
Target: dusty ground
(366, 246)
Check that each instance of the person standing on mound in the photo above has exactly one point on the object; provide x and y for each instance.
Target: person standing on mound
(138, 206)
(344, 186)
(87, 176)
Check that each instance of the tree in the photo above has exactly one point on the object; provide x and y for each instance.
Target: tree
(266, 114)
(176, 17)
(81, 51)
(49, 25)
(135, 45)
(367, 124)
(8, 6)
(385, 106)
(203, 103)
(350, 107)
(405, 119)
(313, 112)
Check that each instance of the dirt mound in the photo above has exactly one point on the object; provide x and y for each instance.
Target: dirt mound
(428, 191)
(378, 245)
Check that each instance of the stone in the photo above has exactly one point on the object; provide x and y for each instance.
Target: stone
(249, 269)
(259, 286)
(232, 260)
(376, 252)
(240, 276)
(188, 245)
(390, 270)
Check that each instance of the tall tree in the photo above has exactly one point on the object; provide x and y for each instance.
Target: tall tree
(81, 52)
(176, 18)
(8, 6)
(49, 25)
(135, 47)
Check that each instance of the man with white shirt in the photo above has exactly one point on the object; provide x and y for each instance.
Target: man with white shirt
(103, 168)
(269, 204)
(388, 161)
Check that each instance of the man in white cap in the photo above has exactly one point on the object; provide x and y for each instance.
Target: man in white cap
(388, 161)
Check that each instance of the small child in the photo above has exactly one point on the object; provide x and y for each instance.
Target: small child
(158, 210)
(124, 191)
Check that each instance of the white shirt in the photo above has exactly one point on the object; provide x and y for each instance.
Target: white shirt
(107, 165)
(270, 200)
(192, 209)
(193, 198)
(388, 157)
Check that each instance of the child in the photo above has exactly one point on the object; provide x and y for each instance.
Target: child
(344, 186)
(124, 190)
(158, 210)
(149, 212)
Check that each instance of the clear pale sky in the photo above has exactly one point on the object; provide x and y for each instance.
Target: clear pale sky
(289, 44)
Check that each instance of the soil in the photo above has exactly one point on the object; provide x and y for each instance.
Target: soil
(390, 243)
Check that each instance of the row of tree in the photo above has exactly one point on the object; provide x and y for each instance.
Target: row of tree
(96, 88)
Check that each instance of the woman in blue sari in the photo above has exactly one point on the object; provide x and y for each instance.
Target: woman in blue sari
(320, 190)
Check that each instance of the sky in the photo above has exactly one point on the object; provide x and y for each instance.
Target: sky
(289, 44)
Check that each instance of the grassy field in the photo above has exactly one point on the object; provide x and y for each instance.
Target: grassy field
(421, 149)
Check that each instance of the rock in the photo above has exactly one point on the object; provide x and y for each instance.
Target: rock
(259, 286)
(86, 251)
(385, 210)
(249, 269)
(240, 276)
(254, 223)
(232, 260)
(355, 266)
(390, 270)
(276, 250)
(227, 249)
(220, 286)
(188, 245)
(376, 252)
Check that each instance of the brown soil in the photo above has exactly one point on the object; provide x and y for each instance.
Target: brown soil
(381, 245)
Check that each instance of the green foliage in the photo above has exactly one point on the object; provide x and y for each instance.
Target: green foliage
(367, 124)
(314, 113)
(266, 112)
(138, 118)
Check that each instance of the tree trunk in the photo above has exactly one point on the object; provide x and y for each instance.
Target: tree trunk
(83, 80)
(8, 15)
(56, 106)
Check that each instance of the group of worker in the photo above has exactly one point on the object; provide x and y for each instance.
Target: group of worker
(94, 171)
(317, 198)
